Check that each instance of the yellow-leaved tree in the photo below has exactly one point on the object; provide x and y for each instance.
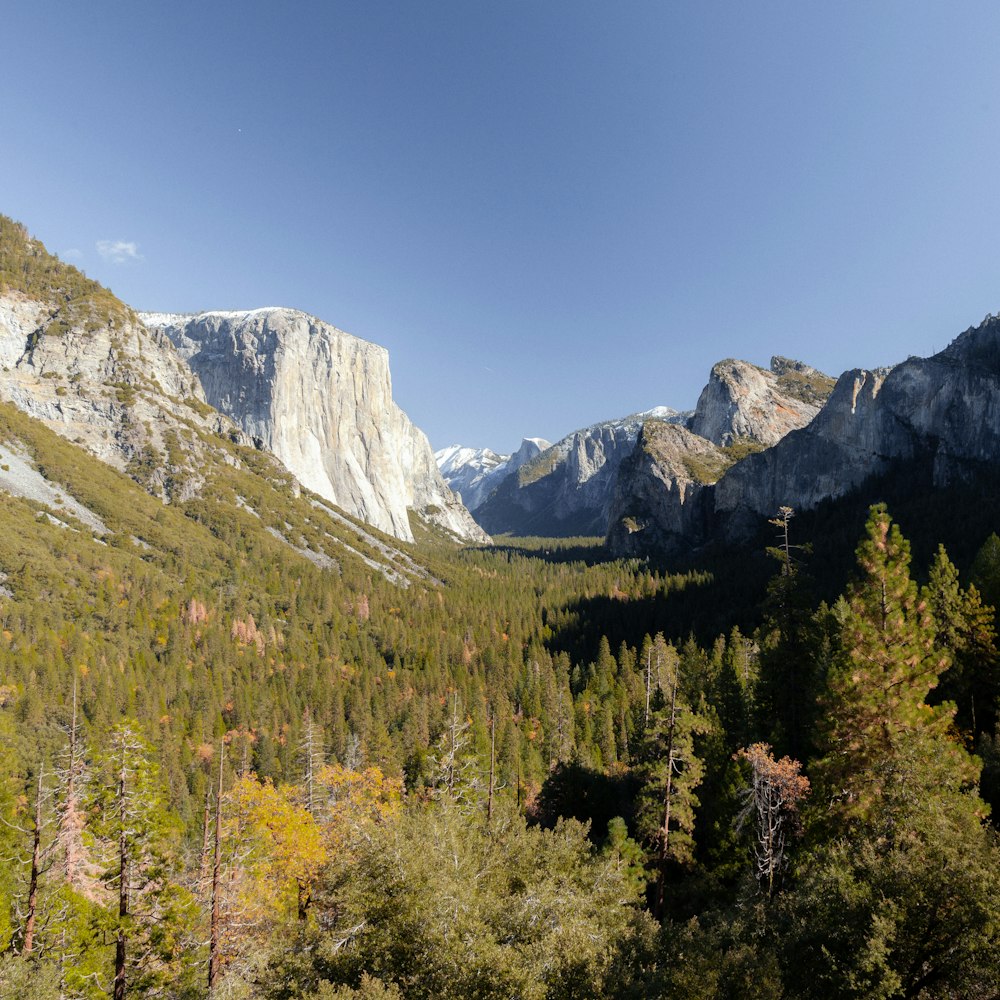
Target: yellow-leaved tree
(351, 800)
(282, 842)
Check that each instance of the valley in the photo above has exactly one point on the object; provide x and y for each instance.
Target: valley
(698, 705)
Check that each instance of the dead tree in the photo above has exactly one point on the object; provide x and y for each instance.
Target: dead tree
(771, 802)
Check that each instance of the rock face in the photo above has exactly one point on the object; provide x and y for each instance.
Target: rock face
(659, 499)
(473, 473)
(114, 387)
(944, 409)
(744, 401)
(573, 487)
(655, 503)
(567, 489)
(321, 401)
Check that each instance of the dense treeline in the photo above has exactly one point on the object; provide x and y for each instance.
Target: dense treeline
(521, 774)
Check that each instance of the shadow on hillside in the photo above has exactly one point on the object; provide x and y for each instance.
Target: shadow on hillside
(589, 551)
(704, 605)
(575, 791)
(727, 585)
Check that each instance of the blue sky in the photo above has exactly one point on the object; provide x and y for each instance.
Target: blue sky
(550, 213)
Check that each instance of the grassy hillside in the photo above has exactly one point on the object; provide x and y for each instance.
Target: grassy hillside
(27, 267)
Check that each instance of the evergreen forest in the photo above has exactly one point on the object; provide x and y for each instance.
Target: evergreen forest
(236, 767)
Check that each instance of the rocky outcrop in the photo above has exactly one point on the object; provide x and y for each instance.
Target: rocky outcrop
(943, 410)
(473, 473)
(114, 387)
(660, 500)
(567, 489)
(742, 401)
(321, 401)
(571, 488)
(656, 500)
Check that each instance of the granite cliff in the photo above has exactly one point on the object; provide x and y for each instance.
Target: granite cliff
(653, 504)
(943, 410)
(658, 495)
(573, 487)
(758, 404)
(566, 489)
(320, 400)
(78, 359)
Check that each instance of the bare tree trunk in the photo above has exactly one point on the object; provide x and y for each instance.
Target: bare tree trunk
(452, 739)
(36, 854)
(661, 879)
(649, 663)
(72, 820)
(493, 747)
(206, 826)
(519, 779)
(123, 866)
(213, 946)
(309, 749)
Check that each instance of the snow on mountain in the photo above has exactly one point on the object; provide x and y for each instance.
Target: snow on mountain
(320, 400)
(473, 473)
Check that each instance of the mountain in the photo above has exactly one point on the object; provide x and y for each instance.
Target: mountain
(473, 473)
(81, 361)
(571, 488)
(758, 404)
(943, 411)
(566, 489)
(655, 503)
(320, 400)
(155, 395)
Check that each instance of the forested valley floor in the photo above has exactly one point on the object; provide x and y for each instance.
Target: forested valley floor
(235, 767)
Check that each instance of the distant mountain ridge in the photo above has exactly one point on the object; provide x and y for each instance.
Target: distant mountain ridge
(571, 488)
(943, 410)
(473, 473)
(565, 489)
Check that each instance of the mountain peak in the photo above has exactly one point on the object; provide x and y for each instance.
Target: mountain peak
(744, 401)
(320, 399)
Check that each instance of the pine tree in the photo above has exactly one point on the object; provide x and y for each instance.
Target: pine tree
(153, 917)
(882, 741)
(964, 629)
(986, 572)
(789, 677)
(671, 773)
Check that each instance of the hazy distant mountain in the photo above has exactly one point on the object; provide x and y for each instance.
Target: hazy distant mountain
(566, 489)
(570, 489)
(473, 473)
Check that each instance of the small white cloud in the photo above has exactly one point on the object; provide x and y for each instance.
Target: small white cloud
(119, 251)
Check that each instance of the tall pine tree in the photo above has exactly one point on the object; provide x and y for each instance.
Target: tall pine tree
(883, 744)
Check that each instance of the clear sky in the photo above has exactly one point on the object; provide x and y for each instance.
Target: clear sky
(551, 213)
